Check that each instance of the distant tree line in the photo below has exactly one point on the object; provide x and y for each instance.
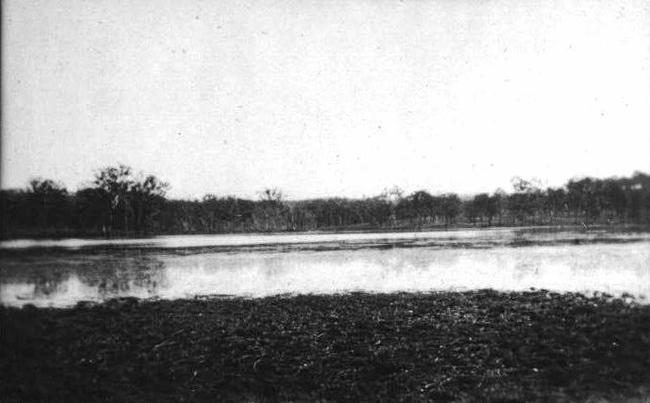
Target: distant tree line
(119, 202)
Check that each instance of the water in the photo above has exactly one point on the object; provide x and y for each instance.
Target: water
(62, 273)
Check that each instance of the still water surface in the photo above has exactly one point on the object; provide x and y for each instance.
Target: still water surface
(62, 273)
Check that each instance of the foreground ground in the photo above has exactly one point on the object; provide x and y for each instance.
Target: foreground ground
(474, 346)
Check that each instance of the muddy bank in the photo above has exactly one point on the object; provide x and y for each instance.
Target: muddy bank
(473, 346)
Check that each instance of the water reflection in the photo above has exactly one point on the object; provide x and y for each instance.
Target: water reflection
(56, 281)
(65, 279)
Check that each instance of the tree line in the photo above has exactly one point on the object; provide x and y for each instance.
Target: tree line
(120, 202)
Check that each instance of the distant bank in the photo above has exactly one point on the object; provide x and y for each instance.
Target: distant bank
(120, 203)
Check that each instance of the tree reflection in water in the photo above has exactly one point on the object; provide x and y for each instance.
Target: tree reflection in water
(120, 277)
(46, 284)
(94, 277)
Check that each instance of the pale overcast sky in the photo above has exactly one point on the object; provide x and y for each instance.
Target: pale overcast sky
(323, 98)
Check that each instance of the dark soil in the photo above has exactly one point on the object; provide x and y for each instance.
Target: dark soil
(473, 346)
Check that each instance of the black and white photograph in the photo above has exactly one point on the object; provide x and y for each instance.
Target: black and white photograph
(325, 201)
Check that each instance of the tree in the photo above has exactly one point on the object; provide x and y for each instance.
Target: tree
(47, 201)
(614, 197)
(271, 211)
(527, 199)
(90, 210)
(471, 211)
(500, 199)
(392, 197)
(583, 196)
(483, 206)
(113, 184)
(555, 202)
(146, 196)
(128, 197)
(450, 207)
(418, 206)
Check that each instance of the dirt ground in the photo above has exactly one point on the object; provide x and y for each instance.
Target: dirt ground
(473, 346)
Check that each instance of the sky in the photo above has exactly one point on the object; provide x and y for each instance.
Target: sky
(325, 98)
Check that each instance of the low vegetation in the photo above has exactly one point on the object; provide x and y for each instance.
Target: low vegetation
(472, 346)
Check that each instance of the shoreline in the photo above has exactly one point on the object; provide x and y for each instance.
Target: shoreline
(446, 346)
(289, 241)
(57, 236)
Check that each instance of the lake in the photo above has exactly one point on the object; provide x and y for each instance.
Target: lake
(60, 273)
